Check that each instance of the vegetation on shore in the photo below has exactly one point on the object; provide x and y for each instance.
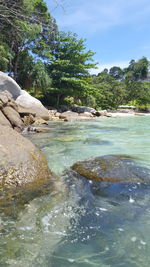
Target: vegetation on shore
(55, 66)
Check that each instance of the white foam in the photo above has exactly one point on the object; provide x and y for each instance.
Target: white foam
(131, 200)
(133, 239)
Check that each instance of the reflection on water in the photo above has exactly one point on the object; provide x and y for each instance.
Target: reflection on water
(84, 223)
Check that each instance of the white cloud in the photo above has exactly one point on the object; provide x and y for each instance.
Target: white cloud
(101, 67)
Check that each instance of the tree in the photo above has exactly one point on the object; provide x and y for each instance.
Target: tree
(69, 68)
(109, 92)
(116, 72)
(144, 95)
(24, 24)
(104, 71)
(4, 56)
(137, 70)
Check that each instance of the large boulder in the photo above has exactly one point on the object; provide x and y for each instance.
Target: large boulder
(112, 168)
(7, 83)
(28, 104)
(23, 168)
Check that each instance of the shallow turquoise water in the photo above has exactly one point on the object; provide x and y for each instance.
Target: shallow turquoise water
(75, 225)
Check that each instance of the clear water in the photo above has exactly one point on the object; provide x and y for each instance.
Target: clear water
(75, 225)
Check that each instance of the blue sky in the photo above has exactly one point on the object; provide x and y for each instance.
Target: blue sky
(117, 30)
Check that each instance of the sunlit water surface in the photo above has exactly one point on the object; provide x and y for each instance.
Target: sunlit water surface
(73, 225)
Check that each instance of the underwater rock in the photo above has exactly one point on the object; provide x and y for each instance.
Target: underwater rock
(112, 168)
(67, 138)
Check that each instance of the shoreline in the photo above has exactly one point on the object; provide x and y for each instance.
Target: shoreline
(127, 113)
(70, 115)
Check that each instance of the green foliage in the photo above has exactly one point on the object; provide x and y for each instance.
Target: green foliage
(69, 101)
(123, 86)
(90, 101)
(137, 70)
(117, 73)
(5, 56)
(69, 68)
(41, 80)
(109, 92)
(55, 66)
(24, 24)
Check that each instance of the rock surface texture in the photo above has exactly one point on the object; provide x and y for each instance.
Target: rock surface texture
(71, 116)
(112, 168)
(82, 109)
(9, 115)
(7, 83)
(24, 172)
(22, 166)
(30, 105)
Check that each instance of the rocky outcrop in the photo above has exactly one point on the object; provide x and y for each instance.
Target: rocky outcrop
(22, 166)
(9, 115)
(7, 83)
(28, 104)
(24, 172)
(78, 114)
(112, 168)
(24, 103)
(73, 116)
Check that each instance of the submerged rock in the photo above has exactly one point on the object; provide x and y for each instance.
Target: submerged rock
(39, 121)
(23, 168)
(112, 168)
(67, 138)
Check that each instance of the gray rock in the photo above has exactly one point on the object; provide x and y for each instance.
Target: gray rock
(97, 113)
(83, 109)
(77, 118)
(13, 116)
(102, 113)
(112, 168)
(67, 114)
(41, 130)
(6, 99)
(7, 83)
(70, 116)
(86, 114)
(3, 120)
(39, 121)
(29, 104)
